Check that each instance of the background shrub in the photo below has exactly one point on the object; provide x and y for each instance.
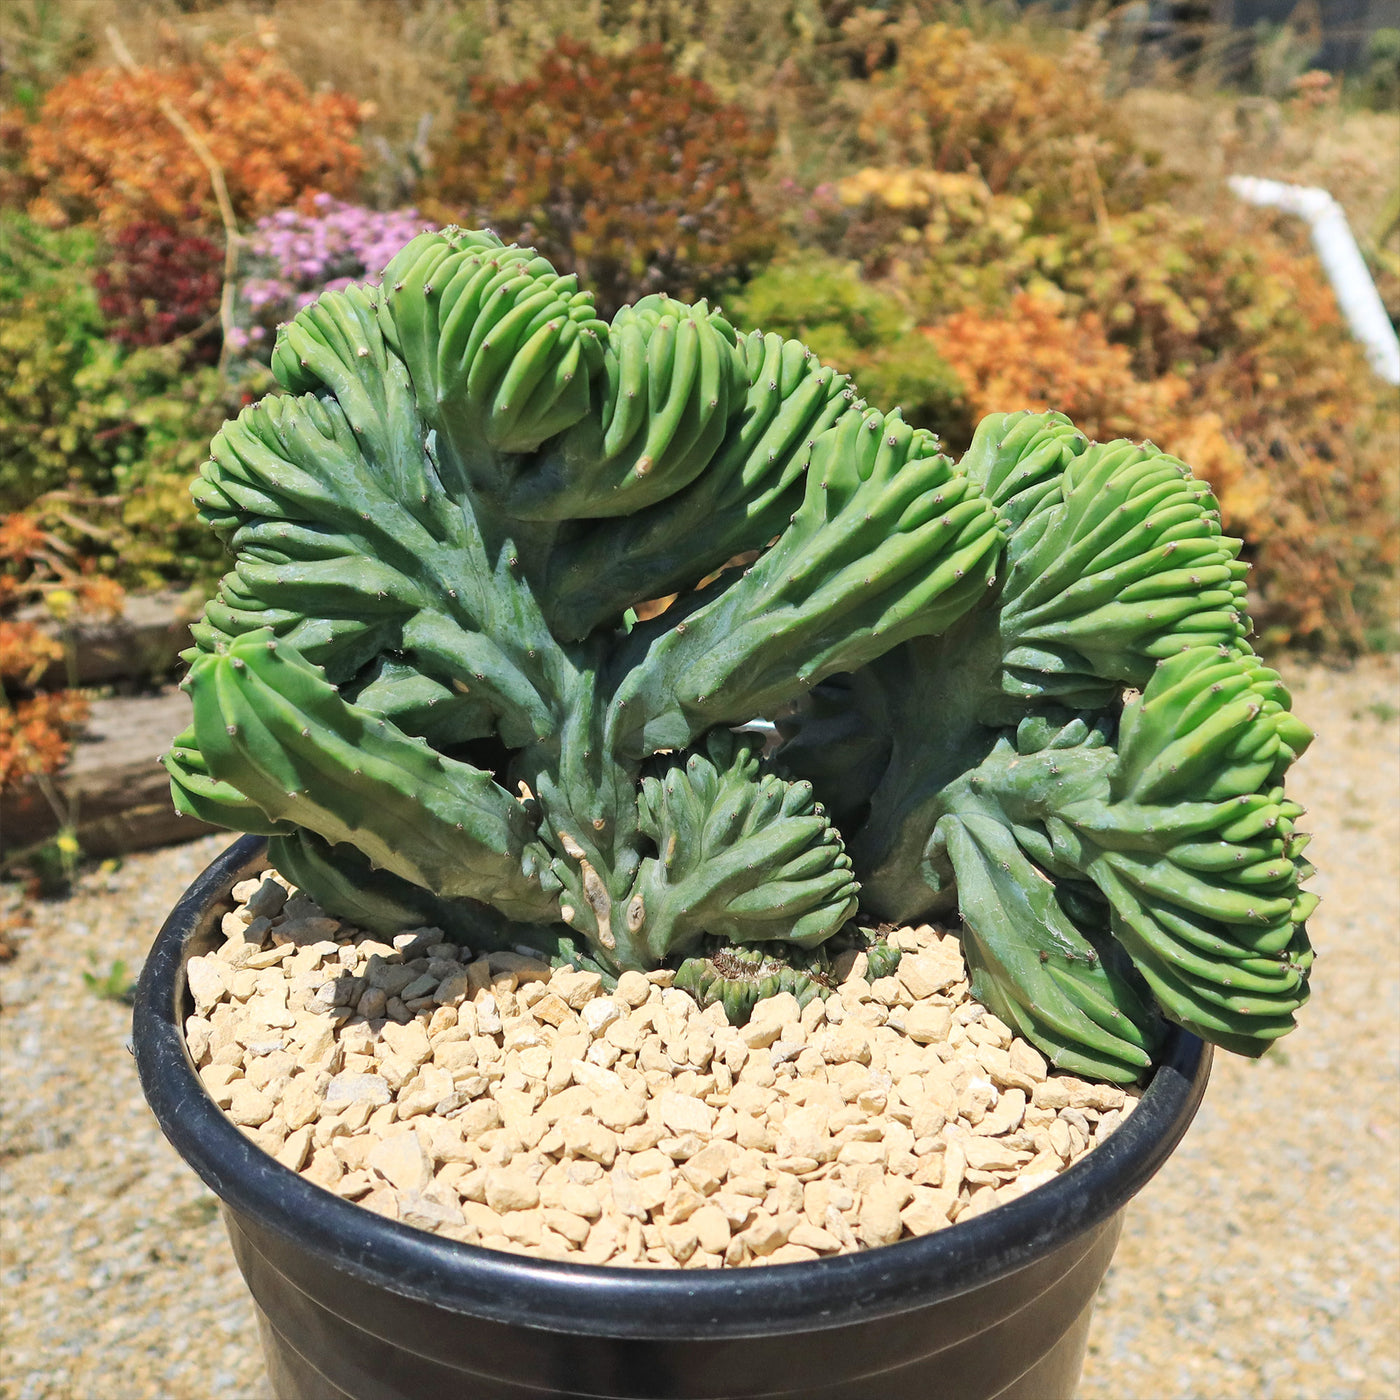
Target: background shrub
(615, 167)
(1034, 356)
(51, 334)
(37, 726)
(943, 237)
(121, 432)
(1378, 86)
(864, 331)
(159, 285)
(1024, 118)
(166, 414)
(102, 147)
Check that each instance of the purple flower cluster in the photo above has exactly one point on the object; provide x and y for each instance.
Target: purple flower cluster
(291, 258)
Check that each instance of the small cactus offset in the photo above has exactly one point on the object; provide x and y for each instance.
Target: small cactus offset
(443, 678)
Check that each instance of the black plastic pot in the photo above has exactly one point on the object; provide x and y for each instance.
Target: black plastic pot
(352, 1304)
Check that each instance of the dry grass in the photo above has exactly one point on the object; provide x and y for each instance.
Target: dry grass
(1206, 137)
(793, 62)
(414, 59)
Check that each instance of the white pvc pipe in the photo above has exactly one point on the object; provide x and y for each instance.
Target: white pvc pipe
(1341, 259)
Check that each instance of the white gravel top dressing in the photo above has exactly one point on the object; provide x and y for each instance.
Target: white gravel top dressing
(495, 1101)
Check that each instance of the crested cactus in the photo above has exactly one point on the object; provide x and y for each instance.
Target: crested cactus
(1015, 688)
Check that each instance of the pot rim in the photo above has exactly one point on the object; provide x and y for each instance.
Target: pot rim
(607, 1300)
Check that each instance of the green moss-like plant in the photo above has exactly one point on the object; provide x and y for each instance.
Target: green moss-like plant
(861, 330)
(83, 414)
(1016, 687)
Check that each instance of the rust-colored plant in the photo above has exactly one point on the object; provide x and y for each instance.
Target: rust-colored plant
(36, 725)
(615, 167)
(1036, 354)
(36, 734)
(102, 146)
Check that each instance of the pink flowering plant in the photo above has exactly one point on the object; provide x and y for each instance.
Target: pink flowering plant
(293, 255)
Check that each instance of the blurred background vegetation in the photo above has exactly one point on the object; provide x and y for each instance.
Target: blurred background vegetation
(969, 206)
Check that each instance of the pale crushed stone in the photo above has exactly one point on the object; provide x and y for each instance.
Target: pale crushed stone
(1261, 1263)
(495, 1102)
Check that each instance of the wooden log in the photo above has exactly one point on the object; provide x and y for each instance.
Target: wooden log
(143, 644)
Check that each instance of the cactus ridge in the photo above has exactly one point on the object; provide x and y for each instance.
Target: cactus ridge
(1017, 459)
(738, 978)
(1032, 967)
(888, 543)
(672, 379)
(500, 348)
(369, 896)
(746, 495)
(430, 678)
(195, 792)
(715, 821)
(1197, 858)
(1124, 564)
(273, 727)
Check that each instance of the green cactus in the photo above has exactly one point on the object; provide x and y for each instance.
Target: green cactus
(426, 680)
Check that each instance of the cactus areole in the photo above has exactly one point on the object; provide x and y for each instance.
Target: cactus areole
(1013, 692)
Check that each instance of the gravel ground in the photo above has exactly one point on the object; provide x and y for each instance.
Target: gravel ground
(1262, 1264)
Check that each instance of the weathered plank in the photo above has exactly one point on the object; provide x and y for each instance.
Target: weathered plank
(142, 644)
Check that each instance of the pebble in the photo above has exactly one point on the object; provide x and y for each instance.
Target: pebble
(496, 1101)
(927, 1024)
(402, 1161)
(208, 982)
(358, 1088)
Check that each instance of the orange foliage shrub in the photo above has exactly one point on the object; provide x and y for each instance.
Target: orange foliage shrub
(26, 652)
(1036, 357)
(613, 166)
(36, 729)
(102, 146)
(36, 734)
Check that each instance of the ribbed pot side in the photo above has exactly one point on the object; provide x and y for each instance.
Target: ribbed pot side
(351, 1304)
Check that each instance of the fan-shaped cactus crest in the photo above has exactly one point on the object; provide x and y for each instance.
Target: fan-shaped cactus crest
(441, 678)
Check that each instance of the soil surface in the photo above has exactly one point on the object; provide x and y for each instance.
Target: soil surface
(1262, 1264)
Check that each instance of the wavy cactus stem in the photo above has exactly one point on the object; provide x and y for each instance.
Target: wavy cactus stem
(444, 678)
